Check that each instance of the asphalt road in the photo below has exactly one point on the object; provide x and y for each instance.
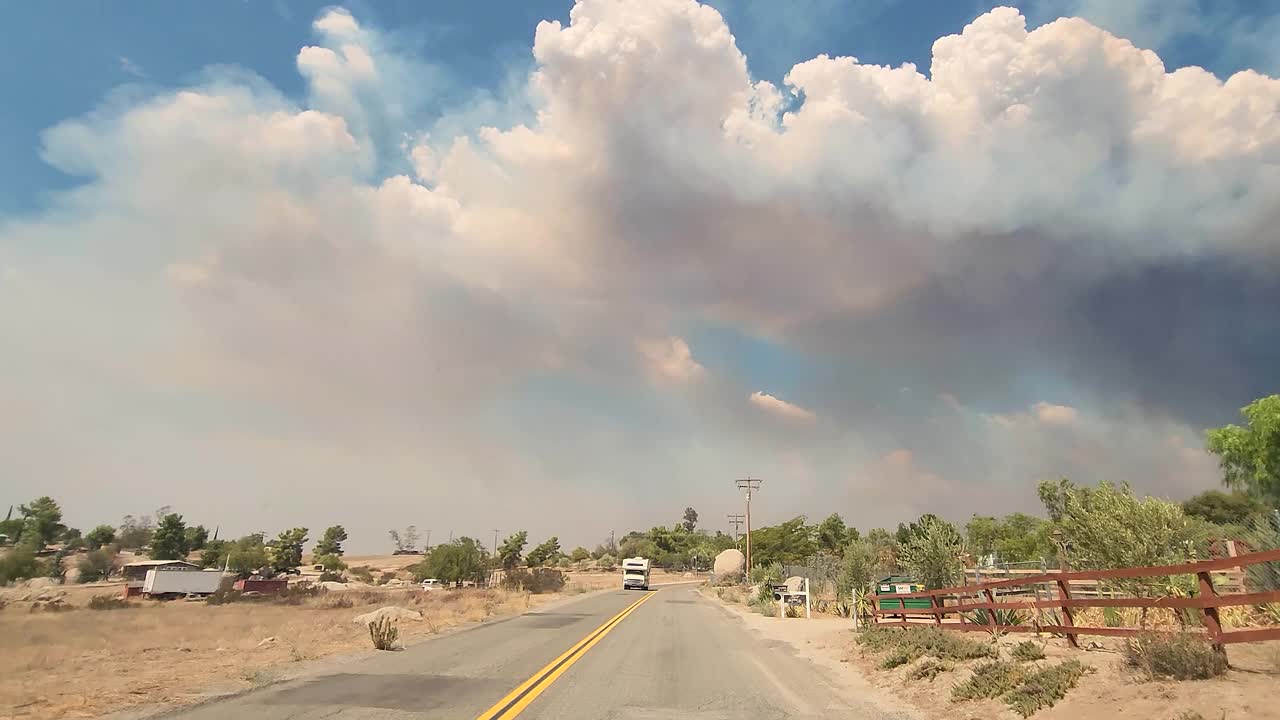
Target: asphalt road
(617, 655)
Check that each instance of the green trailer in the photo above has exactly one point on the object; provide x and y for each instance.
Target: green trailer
(898, 584)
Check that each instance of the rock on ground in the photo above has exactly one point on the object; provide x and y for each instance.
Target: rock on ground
(730, 563)
(390, 612)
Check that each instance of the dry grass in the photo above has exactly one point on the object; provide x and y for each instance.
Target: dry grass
(82, 663)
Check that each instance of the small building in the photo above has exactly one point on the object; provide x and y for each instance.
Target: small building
(135, 573)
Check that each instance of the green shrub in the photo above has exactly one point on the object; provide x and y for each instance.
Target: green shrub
(930, 669)
(108, 602)
(897, 657)
(536, 581)
(96, 565)
(1181, 656)
(20, 564)
(363, 574)
(990, 679)
(768, 608)
(1043, 688)
(907, 644)
(1026, 651)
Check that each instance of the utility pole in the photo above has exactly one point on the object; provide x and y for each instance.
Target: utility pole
(613, 545)
(736, 519)
(495, 545)
(428, 545)
(749, 484)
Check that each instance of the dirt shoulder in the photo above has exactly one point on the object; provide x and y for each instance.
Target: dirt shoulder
(79, 662)
(1112, 692)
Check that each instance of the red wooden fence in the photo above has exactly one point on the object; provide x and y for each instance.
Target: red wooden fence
(1207, 601)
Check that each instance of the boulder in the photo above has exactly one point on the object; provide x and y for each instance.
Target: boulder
(40, 582)
(729, 564)
(333, 586)
(795, 584)
(390, 612)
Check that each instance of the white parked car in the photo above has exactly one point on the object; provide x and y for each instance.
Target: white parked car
(431, 584)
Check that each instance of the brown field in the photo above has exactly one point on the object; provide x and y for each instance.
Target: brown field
(85, 663)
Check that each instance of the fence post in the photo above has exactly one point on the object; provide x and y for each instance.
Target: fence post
(1064, 595)
(1212, 622)
(934, 603)
(902, 603)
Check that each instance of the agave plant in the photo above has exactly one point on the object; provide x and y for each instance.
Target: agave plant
(1003, 616)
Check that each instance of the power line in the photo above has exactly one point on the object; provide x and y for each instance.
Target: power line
(749, 484)
(736, 520)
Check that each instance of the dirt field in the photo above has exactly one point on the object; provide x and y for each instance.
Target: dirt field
(1248, 690)
(84, 663)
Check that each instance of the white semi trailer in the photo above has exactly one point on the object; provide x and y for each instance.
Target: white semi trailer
(635, 573)
(164, 582)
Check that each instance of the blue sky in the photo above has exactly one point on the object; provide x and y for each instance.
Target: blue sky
(394, 262)
(480, 43)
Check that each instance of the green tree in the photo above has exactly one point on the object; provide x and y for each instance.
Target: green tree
(786, 542)
(170, 539)
(462, 559)
(720, 542)
(285, 553)
(96, 565)
(607, 562)
(214, 553)
(1014, 538)
(247, 555)
(1109, 527)
(509, 553)
(330, 562)
(71, 539)
(134, 532)
(41, 522)
(932, 553)
(832, 534)
(690, 519)
(638, 547)
(99, 536)
(858, 568)
(545, 554)
(18, 564)
(331, 542)
(579, 554)
(887, 548)
(1250, 455)
(197, 537)
(1219, 508)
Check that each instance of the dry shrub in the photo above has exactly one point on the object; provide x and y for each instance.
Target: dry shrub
(930, 669)
(1027, 651)
(108, 602)
(536, 581)
(384, 633)
(989, 679)
(363, 573)
(1181, 656)
(337, 602)
(1043, 688)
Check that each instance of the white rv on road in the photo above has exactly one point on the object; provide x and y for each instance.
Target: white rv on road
(635, 573)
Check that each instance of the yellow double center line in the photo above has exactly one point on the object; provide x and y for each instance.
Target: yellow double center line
(526, 692)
